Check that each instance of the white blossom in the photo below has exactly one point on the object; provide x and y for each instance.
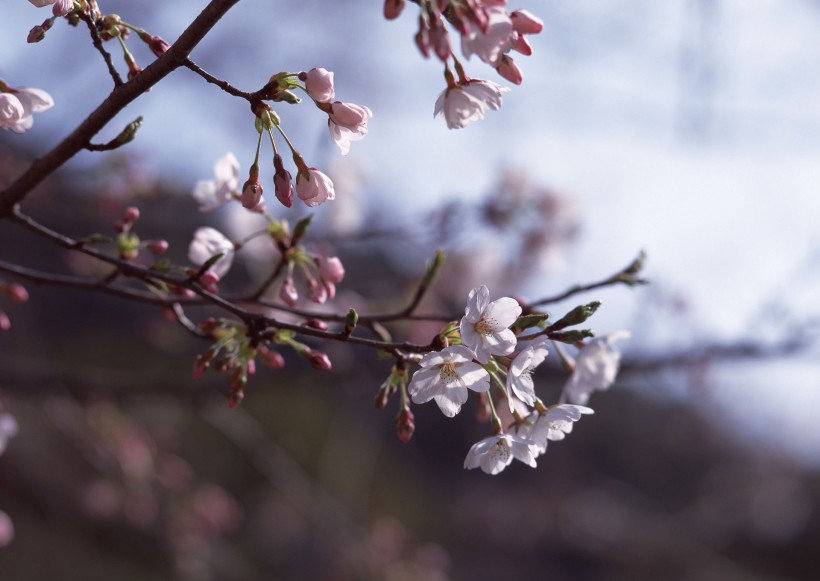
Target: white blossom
(347, 122)
(209, 242)
(485, 325)
(497, 40)
(468, 102)
(212, 194)
(519, 376)
(445, 376)
(18, 105)
(595, 368)
(553, 425)
(495, 453)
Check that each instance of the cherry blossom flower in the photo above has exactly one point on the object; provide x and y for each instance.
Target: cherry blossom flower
(347, 122)
(8, 429)
(314, 187)
(495, 453)
(445, 377)
(209, 242)
(496, 39)
(60, 7)
(595, 368)
(519, 376)
(524, 22)
(18, 104)
(485, 325)
(463, 103)
(553, 425)
(319, 85)
(215, 193)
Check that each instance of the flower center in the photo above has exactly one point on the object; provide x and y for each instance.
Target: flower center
(502, 451)
(448, 372)
(485, 327)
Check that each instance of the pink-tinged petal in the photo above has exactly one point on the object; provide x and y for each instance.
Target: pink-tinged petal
(451, 400)
(503, 312)
(458, 353)
(477, 302)
(11, 110)
(475, 377)
(226, 170)
(434, 358)
(319, 85)
(469, 336)
(501, 342)
(425, 385)
(524, 22)
(34, 100)
(490, 44)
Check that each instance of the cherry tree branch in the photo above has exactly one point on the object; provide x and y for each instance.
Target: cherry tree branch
(97, 41)
(120, 97)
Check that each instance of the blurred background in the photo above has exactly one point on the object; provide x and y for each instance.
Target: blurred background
(688, 128)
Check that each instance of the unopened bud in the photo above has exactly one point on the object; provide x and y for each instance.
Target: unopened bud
(131, 215)
(271, 359)
(208, 278)
(201, 364)
(509, 70)
(250, 367)
(405, 425)
(393, 8)
(350, 322)
(576, 316)
(235, 397)
(317, 324)
(5, 322)
(381, 397)
(318, 360)
(282, 182)
(158, 246)
(288, 294)
(251, 194)
(36, 34)
(16, 292)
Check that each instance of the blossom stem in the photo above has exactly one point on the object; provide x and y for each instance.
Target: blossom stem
(497, 427)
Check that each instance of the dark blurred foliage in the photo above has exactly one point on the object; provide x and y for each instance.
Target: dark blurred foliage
(125, 468)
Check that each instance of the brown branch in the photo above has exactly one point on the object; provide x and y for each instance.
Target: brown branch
(119, 98)
(97, 41)
(224, 85)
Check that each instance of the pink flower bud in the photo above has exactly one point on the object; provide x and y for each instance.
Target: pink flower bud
(317, 324)
(393, 8)
(525, 22)
(282, 183)
(509, 70)
(251, 194)
(131, 215)
(250, 367)
(318, 360)
(36, 34)
(5, 322)
(440, 41)
(319, 85)
(235, 397)
(288, 294)
(271, 359)
(158, 246)
(317, 292)
(16, 292)
(522, 45)
(158, 45)
(330, 289)
(208, 278)
(201, 364)
(330, 269)
(422, 39)
(405, 425)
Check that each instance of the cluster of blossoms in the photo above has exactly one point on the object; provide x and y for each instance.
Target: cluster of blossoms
(488, 351)
(490, 32)
(18, 105)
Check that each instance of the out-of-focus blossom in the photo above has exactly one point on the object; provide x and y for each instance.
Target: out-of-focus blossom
(445, 377)
(347, 122)
(468, 102)
(553, 425)
(18, 105)
(494, 41)
(519, 376)
(314, 187)
(60, 7)
(319, 85)
(509, 70)
(393, 8)
(495, 453)
(212, 194)
(6, 529)
(8, 429)
(524, 22)
(209, 242)
(485, 325)
(595, 368)
(331, 269)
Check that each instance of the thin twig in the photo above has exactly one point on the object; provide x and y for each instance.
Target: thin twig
(97, 41)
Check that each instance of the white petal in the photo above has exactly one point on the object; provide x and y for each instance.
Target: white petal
(474, 376)
(503, 312)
